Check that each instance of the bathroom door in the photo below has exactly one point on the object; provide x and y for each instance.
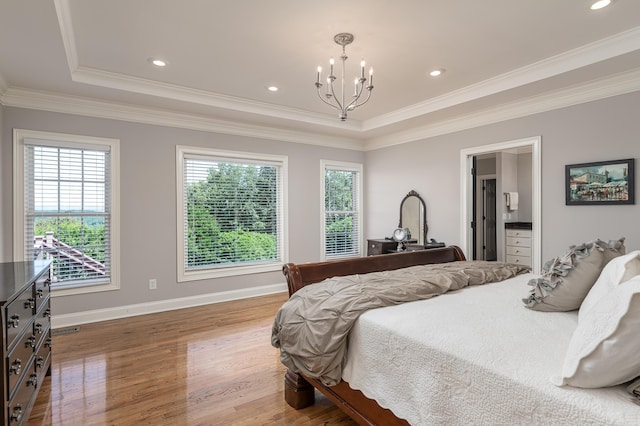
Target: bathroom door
(489, 219)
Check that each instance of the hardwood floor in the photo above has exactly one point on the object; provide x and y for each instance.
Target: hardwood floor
(210, 365)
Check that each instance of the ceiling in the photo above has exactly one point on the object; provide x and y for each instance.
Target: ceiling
(502, 59)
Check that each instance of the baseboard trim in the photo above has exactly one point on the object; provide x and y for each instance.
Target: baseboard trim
(97, 315)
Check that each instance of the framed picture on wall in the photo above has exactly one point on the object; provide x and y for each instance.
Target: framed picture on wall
(602, 183)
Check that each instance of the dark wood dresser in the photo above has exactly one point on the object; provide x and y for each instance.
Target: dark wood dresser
(26, 335)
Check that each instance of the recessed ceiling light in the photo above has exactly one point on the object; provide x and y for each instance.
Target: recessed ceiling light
(436, 72)
(158, 62)
(272, 88)
(600, 4)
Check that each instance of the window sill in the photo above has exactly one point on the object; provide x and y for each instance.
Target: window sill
(203, 274)
(83, 289)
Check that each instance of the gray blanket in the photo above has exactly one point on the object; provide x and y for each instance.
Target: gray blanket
(311, 328)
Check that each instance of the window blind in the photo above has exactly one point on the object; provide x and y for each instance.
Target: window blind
(342, 221)
(233, 211)
(67, 210)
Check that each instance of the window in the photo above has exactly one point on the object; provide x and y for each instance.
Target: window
(231, 213)
(66, 208)
(342, 209)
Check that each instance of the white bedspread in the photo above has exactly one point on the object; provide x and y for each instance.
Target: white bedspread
(476, 357)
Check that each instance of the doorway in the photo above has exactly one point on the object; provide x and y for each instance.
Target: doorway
(469, 229)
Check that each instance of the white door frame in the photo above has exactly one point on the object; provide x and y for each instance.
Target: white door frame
(466, 183)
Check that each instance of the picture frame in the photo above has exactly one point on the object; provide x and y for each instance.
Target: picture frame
(600, 183)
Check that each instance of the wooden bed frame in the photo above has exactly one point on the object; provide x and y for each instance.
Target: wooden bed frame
(299, 389)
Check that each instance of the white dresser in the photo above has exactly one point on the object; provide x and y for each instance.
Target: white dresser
(518, 245)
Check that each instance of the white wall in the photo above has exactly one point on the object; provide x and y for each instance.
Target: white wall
(607, 129)
(148, 203)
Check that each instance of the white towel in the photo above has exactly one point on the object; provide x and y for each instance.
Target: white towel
(512, 200)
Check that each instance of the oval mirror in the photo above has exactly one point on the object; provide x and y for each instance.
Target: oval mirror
(414, 217)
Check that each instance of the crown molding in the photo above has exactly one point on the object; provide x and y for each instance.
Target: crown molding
(3, 88)
(595, 90)
(63, 11)
(598, 89)
(31, 99)
(619, 44)
(202, 97)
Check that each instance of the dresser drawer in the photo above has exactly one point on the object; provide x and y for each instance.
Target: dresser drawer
(42, 290)
(520, 260)
(43, 358)
(518, 242)
(518, 233)
(19, 314)
(25, 394)
(519, 250)
(42, 321)
(375, 247)
(19, 359)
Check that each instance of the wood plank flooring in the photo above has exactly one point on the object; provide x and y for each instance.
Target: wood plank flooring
(210, 365)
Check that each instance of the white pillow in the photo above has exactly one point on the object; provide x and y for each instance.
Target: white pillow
(604, 349)
(617, 271)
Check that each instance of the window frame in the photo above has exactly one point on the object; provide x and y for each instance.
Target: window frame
(346, 166)
(19, 185)
(184, 275)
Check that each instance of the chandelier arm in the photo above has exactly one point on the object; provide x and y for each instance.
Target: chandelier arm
(335, 98)
(354, 103)
(365, 101)
(325, 101)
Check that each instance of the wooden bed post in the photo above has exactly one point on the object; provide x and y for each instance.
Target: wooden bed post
(297, 391)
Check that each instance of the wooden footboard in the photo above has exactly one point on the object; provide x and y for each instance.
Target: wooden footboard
(299, 390)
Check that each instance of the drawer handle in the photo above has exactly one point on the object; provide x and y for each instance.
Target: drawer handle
(39, 362)
(30, 303)
(40, 293)
(14, 321)
(30, 342)
(38, 328)
(47, 313)
(16, 415)
(16, 367)
(33, 380)
(47, 343)
(47, 282)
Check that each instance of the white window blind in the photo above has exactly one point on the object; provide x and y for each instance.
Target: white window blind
(342, 222)
(232, 212)
(67, 205)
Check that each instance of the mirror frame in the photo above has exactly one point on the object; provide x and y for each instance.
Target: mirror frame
(413, 193)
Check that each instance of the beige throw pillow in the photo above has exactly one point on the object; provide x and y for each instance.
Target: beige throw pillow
(566, 280)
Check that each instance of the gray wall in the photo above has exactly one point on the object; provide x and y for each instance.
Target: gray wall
(602, 130)
(5, 177)
(607, 129)
(148, 203)
(525, 187)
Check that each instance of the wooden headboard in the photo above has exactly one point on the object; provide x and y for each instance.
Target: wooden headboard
(300, 275)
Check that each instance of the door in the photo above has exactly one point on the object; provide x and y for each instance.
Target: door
(490, 251)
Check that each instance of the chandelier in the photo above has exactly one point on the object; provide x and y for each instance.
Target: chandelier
(344, 103)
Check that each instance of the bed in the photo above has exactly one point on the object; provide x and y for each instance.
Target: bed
(462, 358)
